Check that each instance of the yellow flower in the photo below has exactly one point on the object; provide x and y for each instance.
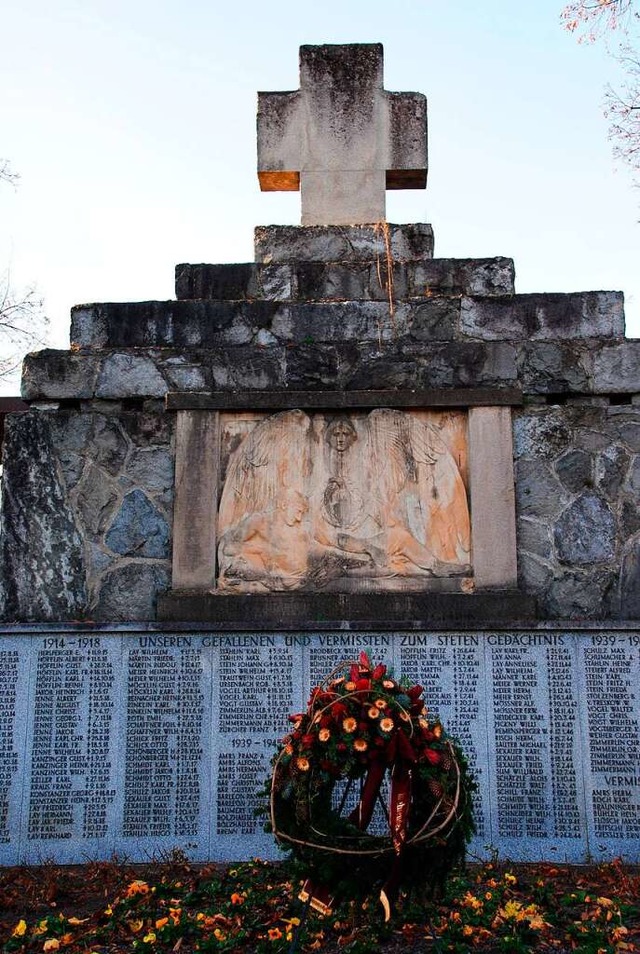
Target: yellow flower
(20, 929)
(41, 928)
(51, 945)
(510, 879)
(488, 895)
(386, 725)
(324, 735)
(374, 713)
(219, 935)
(360, 745)
(77, 920)
(135, 925)
(349, 724)
(303, 764)
(467, 930)
(511, 911)
(274, 934)
(149, 938)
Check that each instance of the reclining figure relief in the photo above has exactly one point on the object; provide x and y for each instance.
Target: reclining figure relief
(349, 501)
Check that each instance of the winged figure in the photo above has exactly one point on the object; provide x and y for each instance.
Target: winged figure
(311, 502)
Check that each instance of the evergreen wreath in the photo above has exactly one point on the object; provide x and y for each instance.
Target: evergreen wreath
(365, 734)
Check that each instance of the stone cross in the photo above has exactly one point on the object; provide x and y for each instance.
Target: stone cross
(341, 139)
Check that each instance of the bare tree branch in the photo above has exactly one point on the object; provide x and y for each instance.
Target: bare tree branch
(623, 111)
(22, 324)
(22, 319)
(593, 18)
(7, 174)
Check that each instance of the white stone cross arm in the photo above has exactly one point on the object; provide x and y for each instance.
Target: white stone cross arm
(341, 139)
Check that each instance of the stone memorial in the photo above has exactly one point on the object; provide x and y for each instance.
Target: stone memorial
(348, 444)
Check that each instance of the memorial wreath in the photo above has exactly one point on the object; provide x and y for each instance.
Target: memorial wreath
(366, 750)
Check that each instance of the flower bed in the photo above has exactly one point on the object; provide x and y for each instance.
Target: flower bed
(251, 909)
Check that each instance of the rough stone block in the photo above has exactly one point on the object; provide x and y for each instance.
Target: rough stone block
(545, 317)
(234, 282)
(586, 532)
(452, 276)
(317, 281)
(42, 569)
(130, 375)
(130, 592)
(549, 367)
(364, 243)
(177, 324)
(616, 369)
(139, 529)
(58, 374)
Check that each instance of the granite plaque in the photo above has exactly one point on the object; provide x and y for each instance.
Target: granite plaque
(142, 741)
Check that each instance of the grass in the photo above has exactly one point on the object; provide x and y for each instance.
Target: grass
(252, 907)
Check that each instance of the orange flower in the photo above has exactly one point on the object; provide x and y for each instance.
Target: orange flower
(360, 745)
(404, 716)
(237, 898)
(373, 713)
(350, 686)
(303, 764)
(137, 887)
(380, 703)
(288, 749)
(437, 731)
(274, 934)
(386, 725)
(349, 724)
(324, 735)
(389, 684)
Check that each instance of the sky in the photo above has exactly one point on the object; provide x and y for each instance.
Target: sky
(132, 125)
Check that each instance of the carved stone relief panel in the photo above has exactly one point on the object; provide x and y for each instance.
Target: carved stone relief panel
(351, 501)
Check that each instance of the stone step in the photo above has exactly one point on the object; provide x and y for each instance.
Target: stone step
(343, 243)
(346, 281)
(214, 324)
(552, 368)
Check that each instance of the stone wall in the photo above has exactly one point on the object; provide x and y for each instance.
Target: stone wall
(88, 479)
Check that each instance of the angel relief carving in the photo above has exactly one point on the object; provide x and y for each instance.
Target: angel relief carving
(369, 501)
